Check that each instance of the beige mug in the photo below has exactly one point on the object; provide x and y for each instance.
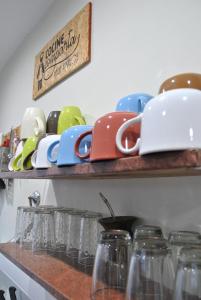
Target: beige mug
(33, 123)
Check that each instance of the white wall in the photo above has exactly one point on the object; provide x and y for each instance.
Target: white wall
(136, 44)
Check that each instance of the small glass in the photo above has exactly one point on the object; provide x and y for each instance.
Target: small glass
(188, 278)
(43, 231)
(151, 273)
(111, 265)
(179, 239)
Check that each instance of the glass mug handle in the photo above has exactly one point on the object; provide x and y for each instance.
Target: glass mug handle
(80, 120)
(49, 152)
(120, 133)
(40, 129)
(77, 145)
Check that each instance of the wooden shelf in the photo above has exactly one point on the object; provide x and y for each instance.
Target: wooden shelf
(178, 163)
(60, 279)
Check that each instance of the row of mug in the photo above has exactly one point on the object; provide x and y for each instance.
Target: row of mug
(34, 121)
(170, 121)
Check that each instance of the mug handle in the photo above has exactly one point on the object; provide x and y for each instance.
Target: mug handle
(40, 129)
(33, 158)
(27, 164)
(120, 133)
(49, 152)
(80, 120)
(77, 145)
(16, 165)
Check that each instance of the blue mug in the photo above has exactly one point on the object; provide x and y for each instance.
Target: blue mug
(66, 153)
(133, 103)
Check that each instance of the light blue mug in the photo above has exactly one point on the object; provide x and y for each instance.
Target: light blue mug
(66, 153)
(133, 103)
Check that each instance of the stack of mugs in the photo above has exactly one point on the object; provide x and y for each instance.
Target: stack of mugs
(141, 124)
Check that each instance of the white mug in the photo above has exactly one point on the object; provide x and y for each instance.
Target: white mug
(39, 157)
(33, 123)
(171, 121)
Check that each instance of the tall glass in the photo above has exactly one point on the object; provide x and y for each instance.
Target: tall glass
(26, 235)
(111, 265)
(60, 222)
(147, 232)
(18, 225)
(151, 273)
(73, 234)
(89, 233)
(179, 239)
(188, 278)
(43, 231)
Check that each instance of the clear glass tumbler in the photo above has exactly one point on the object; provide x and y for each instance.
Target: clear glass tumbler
(179, 239)
(111, 265)
(89, 233)
(73, 234)
(151, 273)
(188, 278)
(18, 225)
(60, 224)
(147, 232)
(26, 231)
(43, 231)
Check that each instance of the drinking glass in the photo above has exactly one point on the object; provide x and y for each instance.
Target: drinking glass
(73, 234)
(43, 231)
(188, 278)
(147, 232)
(111, 265)
(18, 225)
(151, 273)
(89, 233)
(179, 239)
(27, 227)
(60, 224)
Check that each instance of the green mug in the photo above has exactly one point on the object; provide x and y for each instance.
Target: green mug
(23, 160)
(69, 116)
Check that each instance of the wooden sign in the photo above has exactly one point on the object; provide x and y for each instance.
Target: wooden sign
(67, 51)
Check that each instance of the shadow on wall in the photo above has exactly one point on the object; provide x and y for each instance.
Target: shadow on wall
(173, 203)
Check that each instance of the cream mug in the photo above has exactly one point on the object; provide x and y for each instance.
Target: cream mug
(170, 122)
(33, 122)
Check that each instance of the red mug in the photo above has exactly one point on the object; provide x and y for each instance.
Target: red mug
(104, 132)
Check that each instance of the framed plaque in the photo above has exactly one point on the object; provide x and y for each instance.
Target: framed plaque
(65, 53)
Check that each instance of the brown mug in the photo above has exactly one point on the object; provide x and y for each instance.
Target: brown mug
(52, 122)
(179, 81)
(104, 132)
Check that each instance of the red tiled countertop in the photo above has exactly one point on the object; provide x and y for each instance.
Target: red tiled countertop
(60, 279)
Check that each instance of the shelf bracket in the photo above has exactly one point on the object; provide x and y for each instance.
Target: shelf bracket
(2, 184)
